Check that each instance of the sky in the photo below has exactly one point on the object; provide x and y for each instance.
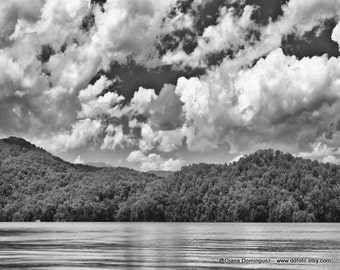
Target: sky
(156, 85)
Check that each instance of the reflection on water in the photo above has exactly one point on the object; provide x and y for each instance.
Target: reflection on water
(164, 245)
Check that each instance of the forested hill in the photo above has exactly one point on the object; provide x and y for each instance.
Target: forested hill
(265, 186)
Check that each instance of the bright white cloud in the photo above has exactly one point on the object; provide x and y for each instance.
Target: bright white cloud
(280, 101)
(95, 105)
(236, 158)
(115, 137)
(206, 110)
(228, 34)
(141, 100)
(10, 70)
(83, 132)
(322, 153)
(170, 140)
(129, 27)
(336, 34)
(79, 160)
(153, 161)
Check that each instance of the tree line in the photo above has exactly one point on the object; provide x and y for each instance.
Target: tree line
(267, 186)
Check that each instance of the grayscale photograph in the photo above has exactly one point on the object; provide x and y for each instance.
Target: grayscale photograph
(169, 134)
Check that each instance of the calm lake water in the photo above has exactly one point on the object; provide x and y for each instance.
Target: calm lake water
(168, 246)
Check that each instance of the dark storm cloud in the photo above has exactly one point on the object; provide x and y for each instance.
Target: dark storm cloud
(316, 42)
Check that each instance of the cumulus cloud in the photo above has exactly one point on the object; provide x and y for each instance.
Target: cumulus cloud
(128, 27)
(163, 140)
(302, 17)
(78, 160)
(322, 153)
(165, 111)
(206, 105)
(94, 105)
(237, 158)
(336, 34)
(17, 11)
(154, 162)
(255, 96)
(290, 85)
(82, 133)
(278, 101)
(228, 34)
(51, 91)
(115, 137)
(170, 140)
(141, 100)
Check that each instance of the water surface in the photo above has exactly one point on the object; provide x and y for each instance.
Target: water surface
(167, 245)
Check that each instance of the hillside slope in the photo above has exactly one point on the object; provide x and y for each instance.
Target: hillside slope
(265, 186)
(161, 173)
(37, 185)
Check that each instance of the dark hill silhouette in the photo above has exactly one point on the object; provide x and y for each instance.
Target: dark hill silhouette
(267, 186)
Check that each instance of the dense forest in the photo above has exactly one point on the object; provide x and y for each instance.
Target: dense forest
(267, 186)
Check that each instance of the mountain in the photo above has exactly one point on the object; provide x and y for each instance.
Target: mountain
(37, 185)
(98, 164)
(161, 173)
(267, 186)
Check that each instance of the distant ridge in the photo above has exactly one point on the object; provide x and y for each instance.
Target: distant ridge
(161, 173)
(266, 186)
(99, 164)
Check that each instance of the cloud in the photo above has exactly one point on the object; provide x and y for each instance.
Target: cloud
(79, 160)
(336, 34)
(15, 11)
(170, 140)
(252, 96)
(95, 105)
(77, 56)
(303, 17)
(165, 111)
(236, 158)
(128, 27)
(205, 108)
(290, 85)
(149, 138)
(247, 41)
(83, 132)
(116, 137)
(11, 70)
(48, 91)
(141, 100)
(280, 102)
(153, 161)
(288, 96)
(323, 153)
(228, 34)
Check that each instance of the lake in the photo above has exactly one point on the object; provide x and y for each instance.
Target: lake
(169, 246)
